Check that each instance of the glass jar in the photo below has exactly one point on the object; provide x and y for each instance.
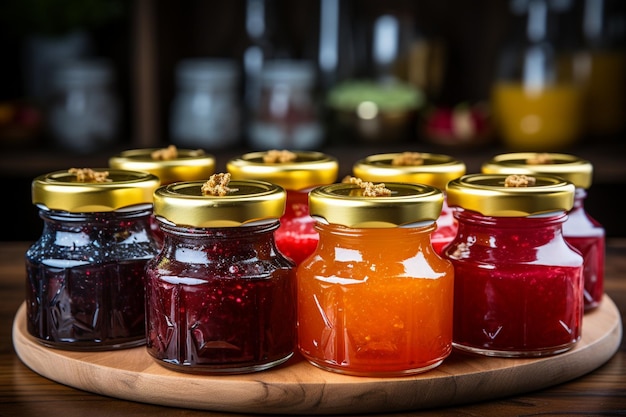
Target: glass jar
(220, 298)
(85, 273)
(296, 237)
(580, 229)
(84, 110)
(205, 112)
(420, 168)
(375, 299)
(169, 164)
(518, 284)
(287, 114)
(537, 103)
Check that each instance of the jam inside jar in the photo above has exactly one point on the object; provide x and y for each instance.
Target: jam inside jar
(220, 300)
(85, 279)
(518, 286)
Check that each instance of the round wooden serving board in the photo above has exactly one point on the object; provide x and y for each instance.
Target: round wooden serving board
(297, 387)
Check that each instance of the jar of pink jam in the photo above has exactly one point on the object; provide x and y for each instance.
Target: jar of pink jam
(297, 172)
(220, 297)
(518, 283)
(419, 168)
(85, 273)
(580, 229)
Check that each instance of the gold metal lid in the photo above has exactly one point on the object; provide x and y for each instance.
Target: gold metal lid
(487, 194)
(61, 190)
(435, 169)
(184, 204)
(309, 169)
(572, 168)
(188, 165)
(346, 205)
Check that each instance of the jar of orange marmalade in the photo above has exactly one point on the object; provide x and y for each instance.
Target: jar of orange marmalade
(517, 283)
(375, 299)
(417, 167)
(580, 229)
(297, 172)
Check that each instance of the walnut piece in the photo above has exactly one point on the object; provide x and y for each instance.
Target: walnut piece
(274, 155)
(369, 189)
(217, 185)
(519, 181)
(540, 159)
(408, 159)
(166, 154)
(89, 175)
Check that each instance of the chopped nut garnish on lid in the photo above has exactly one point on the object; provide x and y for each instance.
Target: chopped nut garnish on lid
(519, 181)
(217, 185)
(408, 159)
(540, 159)
(166, 154)
(369, 189)
(275, 155)
(89, 175)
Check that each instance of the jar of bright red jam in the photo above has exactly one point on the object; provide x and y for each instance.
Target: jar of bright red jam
(375, 299)
(297, 172)
(518, 284)
(169, 164)
(421, 168)
(580, 229)
(220, 297)
(85, 273)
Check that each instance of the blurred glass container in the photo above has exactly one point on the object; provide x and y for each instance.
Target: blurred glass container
(84, 110)
(536, 103)
(287, 115)
(205, 112)
(600, 66)
(371, 111)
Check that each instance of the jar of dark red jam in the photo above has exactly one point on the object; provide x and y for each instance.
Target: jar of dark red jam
(169, 164)
(85, 274)
(421, 168)
(297, 172)
(220, 296)
(580, 229)
(518, 284)
(375, 299)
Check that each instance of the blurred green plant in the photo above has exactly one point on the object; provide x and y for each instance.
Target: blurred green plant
(58, 17)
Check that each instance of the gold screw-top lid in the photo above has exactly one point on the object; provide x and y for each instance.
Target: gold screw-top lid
(420, 168)
(308, 169)
(184, 165)
(569, 167)
(346, 205)
(62, 190)
(185, 204)
(488, 195)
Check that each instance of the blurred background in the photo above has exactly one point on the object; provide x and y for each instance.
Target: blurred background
(81, 80)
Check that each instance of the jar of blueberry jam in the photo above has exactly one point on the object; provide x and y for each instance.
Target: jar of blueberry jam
(297, 172)
(518, 284)
(85, 273)
(375, 299)
(580, 229)
(421, 168)
(220, 297)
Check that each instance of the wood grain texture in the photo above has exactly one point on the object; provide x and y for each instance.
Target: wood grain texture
(300, 388)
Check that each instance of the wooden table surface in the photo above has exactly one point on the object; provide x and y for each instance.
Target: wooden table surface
(25, 393)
